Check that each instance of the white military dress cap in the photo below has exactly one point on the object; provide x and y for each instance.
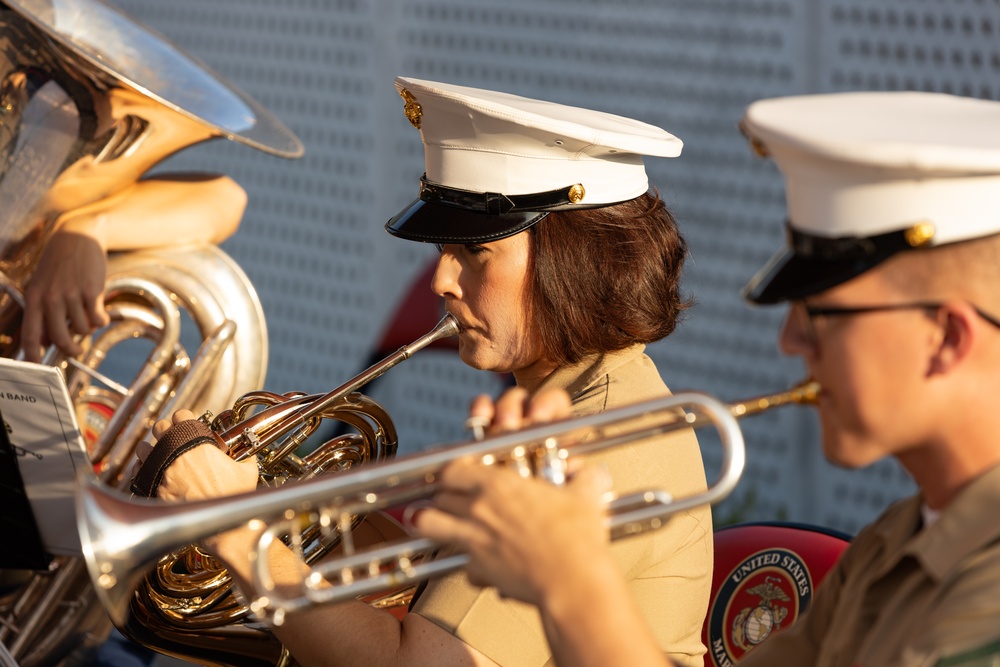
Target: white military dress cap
(870, 174)
(497, 163)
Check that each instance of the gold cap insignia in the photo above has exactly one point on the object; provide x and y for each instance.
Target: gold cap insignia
(756, 145)
(411, 109)
(919, 234)
(576, 193)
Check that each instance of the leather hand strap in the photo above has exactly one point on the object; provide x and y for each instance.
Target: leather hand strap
(178, 439)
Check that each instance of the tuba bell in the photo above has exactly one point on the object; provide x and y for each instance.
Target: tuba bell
(90, 101)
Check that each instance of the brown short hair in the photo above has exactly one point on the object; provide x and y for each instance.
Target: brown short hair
(970, 269)
(606, 278)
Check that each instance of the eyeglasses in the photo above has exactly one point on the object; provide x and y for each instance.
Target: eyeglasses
(833, 311)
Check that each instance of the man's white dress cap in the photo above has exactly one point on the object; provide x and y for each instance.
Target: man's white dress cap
(497, 163)
(870, 174)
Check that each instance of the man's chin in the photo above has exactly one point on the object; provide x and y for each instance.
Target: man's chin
(850, 456)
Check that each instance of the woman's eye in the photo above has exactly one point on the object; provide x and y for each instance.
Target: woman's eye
(475, 249)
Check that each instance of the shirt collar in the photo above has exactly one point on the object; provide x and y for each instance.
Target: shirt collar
(578, 377)
(963, 527)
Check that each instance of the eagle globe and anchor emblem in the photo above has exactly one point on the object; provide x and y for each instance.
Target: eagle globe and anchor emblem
(763, 593)
(754, 625)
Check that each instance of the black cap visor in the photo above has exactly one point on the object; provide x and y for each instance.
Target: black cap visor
(814, 264)
(788, 276)
(441, 223)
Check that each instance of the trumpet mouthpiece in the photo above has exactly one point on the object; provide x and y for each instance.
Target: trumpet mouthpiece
(807, 393)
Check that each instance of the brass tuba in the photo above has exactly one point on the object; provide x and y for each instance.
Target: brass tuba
(90, 101)
(54, 613)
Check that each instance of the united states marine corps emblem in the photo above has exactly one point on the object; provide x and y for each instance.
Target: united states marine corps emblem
(752, 626)
(411, 108)
(765, 592)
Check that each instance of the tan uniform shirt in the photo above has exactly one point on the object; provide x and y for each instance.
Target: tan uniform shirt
(902, 595)
(669, 571)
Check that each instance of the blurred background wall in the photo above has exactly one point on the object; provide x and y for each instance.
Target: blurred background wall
(330, 278)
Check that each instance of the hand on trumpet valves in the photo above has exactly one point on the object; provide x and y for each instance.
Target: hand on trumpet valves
(507, 524)
(520, 533)
(200, 473)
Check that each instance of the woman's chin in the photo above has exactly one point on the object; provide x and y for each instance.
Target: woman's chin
(482, 362)
(468, 355)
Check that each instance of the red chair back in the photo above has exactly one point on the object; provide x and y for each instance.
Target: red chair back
(765, 576)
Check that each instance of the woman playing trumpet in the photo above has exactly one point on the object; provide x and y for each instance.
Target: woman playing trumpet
(560, 267)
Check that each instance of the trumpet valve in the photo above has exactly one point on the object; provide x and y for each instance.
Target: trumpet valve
(551, 462)
(519, 462)
(477, 424)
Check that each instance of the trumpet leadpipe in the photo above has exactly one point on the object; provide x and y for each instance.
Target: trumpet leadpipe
(805, 393)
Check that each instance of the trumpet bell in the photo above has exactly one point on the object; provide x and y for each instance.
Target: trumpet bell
(117, 535)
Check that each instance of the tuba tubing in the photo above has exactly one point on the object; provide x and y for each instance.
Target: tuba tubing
(122, 538)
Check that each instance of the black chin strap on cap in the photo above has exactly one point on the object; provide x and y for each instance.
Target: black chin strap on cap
(809, 246)
(496, 203)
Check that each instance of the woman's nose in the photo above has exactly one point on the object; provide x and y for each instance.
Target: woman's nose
(444, 283)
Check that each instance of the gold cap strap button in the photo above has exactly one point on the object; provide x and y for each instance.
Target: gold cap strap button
(919, 234)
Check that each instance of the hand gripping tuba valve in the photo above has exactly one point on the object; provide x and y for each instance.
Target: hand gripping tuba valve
(122, 537)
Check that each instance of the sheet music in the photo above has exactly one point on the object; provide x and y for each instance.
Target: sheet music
(42, 428)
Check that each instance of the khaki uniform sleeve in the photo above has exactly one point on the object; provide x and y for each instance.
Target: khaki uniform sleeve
(508, 632)
(963, 617)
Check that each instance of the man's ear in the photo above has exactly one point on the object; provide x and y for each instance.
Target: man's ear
(958, 332)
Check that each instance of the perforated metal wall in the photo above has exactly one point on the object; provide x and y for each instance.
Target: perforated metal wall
(329, 277)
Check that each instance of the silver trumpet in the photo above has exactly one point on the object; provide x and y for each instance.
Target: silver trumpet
(122, 538)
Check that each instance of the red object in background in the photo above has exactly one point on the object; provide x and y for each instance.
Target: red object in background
(417, 313)
(765, 577)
